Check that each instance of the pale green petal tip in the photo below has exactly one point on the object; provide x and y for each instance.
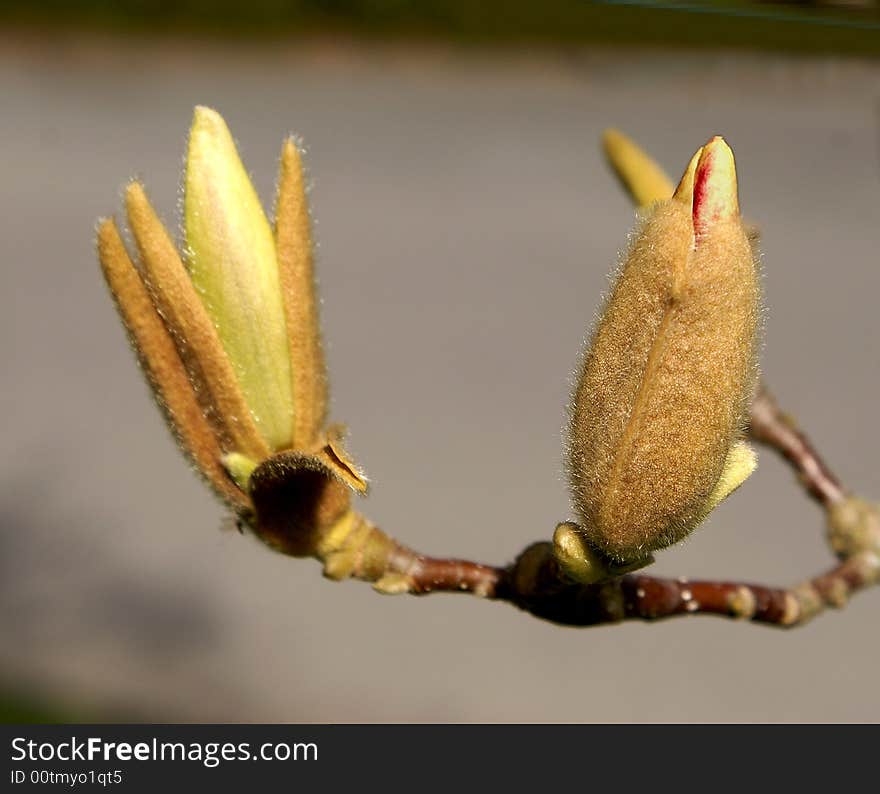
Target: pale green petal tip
(208, 118)
(575, 557)
(741, 461)
(233, 264)
(211, 148)
(240, 468)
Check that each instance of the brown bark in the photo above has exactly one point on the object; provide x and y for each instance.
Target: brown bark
(535, 583)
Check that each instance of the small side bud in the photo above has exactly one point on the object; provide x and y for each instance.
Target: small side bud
(581, 562)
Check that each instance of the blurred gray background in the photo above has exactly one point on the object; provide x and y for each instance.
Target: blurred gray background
(467, 223)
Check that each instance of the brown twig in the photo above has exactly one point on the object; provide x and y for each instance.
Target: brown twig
(772, 427)
(423, 575)
(651, 598)
(535, 583)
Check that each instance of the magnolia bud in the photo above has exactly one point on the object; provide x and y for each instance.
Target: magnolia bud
(231, 344)
(657, 415)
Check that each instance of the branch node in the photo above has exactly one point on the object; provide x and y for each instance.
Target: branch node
(742, 603)
(854, 527)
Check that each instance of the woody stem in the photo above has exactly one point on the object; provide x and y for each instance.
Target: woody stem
(535, 583)
(772, 427)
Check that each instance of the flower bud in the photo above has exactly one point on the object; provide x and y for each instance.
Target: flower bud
(657, 415)
(233, 265)
(231, 342)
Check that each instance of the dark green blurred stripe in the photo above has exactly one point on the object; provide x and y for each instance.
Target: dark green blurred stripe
(21, 704)
(798, 27)
(20, 708)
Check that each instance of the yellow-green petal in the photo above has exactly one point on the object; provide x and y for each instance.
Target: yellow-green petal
(644, 180)
(739, 465)
(233, 264)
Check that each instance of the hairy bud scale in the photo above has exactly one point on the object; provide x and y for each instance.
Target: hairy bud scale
(657, 414)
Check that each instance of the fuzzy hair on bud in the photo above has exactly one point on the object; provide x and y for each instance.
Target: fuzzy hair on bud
(656, 417)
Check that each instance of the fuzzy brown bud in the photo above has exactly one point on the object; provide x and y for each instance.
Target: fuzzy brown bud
(656, 417)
